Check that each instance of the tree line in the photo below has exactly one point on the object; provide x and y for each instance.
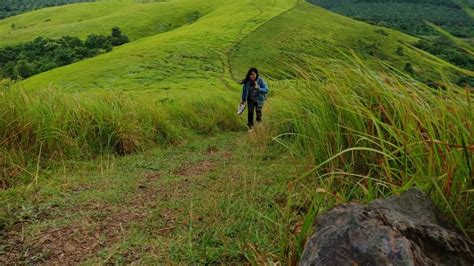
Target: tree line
(42, 54)
(446, 49)
(408, 16)
(14, 7)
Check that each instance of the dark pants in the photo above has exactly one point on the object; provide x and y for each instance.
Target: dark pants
(253, 107)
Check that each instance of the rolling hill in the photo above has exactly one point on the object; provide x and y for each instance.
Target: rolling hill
(189, 56)
(197, 54)
(82, 19)
(408, 15)
(137, 156)
(309, 31)
(10, 8)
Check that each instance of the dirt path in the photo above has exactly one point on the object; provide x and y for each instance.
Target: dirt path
(193, 203)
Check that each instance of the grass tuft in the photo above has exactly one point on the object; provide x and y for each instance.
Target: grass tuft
(372, 134)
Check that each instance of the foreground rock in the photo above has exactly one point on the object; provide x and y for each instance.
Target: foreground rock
(400, 230)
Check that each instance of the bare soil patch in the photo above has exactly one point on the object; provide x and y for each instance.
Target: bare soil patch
(80, 239)
(197, 168)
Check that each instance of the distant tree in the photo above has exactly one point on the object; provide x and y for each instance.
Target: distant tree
(14, 7)
(465, 81)
(71, 42)
(23, 69)
(63, 56)
(83, 52)
(42, 54)
(95, 41)
(446, 49)
(117, 38)
(8, 70)
(408, 16)
(44, 64)
(116, 32)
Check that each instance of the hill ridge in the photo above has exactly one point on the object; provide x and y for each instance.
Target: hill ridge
(148, 45)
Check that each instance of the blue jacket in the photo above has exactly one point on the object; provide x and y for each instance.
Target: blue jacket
(263, 90)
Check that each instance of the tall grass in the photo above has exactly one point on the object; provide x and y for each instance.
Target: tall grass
(43, 126)
(370, 135)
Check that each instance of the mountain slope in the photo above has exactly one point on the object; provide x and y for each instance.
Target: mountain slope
(137, 20)
(71, 192)
(408, 15)
(197, 55)
(308, 31)
(10, 8)
(192, 56)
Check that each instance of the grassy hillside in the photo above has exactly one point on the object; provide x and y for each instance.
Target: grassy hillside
(190, 57)
(197, 55)
(345, 121)
(408, 15)
(309, 31)
(137, 20)
(174, 74)
(346, 134)
(431, 20)
(10, 8)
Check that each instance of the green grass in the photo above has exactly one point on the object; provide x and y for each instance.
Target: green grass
(236, 198)
(241, 222)
(310, 31)
(186, 63)
(183, 72)
(83, 125)
(189, 57)
(135, 19)
(371, 134)
(218, 48)
(348, 128)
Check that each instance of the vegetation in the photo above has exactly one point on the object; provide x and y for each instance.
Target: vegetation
(419, 18)
(372, 134)
(446, 49)
(43, 54)
(364, 136)
(85, 125)
(80, 20)
(162, 69)
(321, 34)
(14, 7)
(407, 15)
(131, 156)
(215, 47)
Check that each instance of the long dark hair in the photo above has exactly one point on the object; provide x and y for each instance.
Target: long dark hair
(247, 78)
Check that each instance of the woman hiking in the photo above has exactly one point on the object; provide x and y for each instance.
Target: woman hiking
(254, 91)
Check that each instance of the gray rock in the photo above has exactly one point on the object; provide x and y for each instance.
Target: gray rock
(400, 230)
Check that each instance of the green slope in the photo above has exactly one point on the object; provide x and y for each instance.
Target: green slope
(137, 20)
(228, 38)
(357, 134)
(10, 8)
(312, 32)
(190, 57)
(409, 16)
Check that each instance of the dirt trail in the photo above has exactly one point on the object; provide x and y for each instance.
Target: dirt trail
(199, 202)
(76, 241)
(101, 225)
